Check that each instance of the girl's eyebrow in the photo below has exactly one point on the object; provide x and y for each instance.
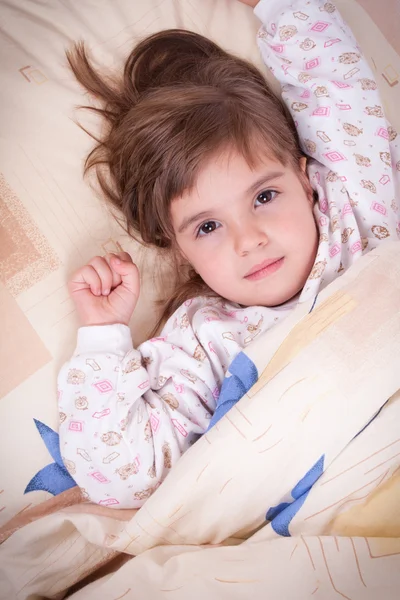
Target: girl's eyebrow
(251, 190)
(262, 180)
(189, 220)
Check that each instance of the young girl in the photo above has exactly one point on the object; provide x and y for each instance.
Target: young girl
(205, 161)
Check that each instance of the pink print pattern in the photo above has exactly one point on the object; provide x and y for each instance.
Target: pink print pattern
(76, 426)
(382, 132)
(104, 387)
(379, 208)
(99, 477)
(335, 156)
(154, 422)
(109, 502)
(320, 26)
(321, 111)
(334, 250)
(179, 427)
(101, 414)
(312, 64)
(356, 247)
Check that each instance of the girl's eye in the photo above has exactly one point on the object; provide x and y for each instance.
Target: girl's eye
(207, 228)
(265, 197)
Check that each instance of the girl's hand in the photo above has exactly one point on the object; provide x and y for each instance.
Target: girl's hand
(106, 290)
(252, 3)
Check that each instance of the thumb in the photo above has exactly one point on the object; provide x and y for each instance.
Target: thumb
(130, 279)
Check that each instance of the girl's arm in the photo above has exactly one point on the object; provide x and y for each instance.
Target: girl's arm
(331, 93)
(128, 415)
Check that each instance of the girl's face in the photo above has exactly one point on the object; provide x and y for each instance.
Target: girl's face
(249, 233)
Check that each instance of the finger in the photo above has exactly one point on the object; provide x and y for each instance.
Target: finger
(130, 277)
(85, 278)
(116, 277)
(124, 256)
(104, 272)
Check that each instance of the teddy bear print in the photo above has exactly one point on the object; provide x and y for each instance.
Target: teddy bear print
(299, 106)
(346, 233)
(184, 322)
(161, 381)
(70, 466)
(321, 91)
(253, 330)
(199, 353)
(310, 146)
(318, 269)
(380, 232)
(329, 7)
(152, 472)
(349, 58)
(62, 417)
(332, 176)
(304, 77)
(286, 32)
(192, 378)
(353, 203)
(368, 185)
(81, 403)
(398, 165)
(362, 161)
(374, 111)
(394, 206)
(146, 361)
(352, 129)
(133, 365)
(111, 438)
(368, 84)
(84, 493)
(307, 44)
(364, 243)
(147, 431)
(392, 133)
(262, 33)
(167, 454)
(76, 377)
(170, 400)
(144, 494)
(335, 223)
(323, 238)
(127, 470)
(385, 158)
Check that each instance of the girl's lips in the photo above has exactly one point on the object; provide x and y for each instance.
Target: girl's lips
(264, 269)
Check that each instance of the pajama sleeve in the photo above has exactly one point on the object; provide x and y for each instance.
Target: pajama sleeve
(334, 100)
(128, 414)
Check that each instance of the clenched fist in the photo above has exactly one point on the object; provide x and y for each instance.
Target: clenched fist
(106, 290)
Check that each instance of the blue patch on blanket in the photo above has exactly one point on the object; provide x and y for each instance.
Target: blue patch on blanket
(53, 478)
(243, 376)
(282, 514)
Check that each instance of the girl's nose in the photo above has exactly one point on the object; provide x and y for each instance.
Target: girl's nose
(249, 235)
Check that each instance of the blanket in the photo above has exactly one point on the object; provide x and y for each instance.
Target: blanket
(294, 492)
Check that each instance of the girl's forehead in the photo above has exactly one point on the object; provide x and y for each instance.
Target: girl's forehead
(227, 176)
(232, 168)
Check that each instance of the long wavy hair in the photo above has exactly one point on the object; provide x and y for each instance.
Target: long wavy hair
(180, 100)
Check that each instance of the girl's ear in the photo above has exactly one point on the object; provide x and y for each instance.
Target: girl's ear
(305, 181)
(303, 163)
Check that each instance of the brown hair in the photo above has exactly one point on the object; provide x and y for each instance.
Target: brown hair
(181, 100)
